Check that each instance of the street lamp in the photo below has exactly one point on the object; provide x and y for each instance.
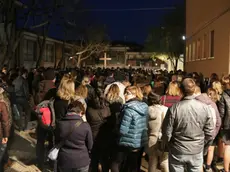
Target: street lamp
(183, 38)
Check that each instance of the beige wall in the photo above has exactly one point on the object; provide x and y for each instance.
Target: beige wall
(199, 12)
(198, 24)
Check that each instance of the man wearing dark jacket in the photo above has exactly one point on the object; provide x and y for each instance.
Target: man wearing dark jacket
(22, 96)
(187, 126)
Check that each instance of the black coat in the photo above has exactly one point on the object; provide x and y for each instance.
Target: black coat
(224, 109)
(60, 107)
(98, 120)
(75, 152)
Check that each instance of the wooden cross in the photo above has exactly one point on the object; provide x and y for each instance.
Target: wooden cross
(105, 60)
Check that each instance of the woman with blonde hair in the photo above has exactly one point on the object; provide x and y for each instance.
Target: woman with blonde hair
(133, 131)
(218, 87)
(113, 94)
(65, 93)
(81, 95)
(210, 99)
(91, 91)
(115, 105)
(173, 94)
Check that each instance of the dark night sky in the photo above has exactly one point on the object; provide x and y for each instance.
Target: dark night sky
(132, 24)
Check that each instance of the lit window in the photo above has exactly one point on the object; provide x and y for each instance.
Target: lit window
(198, 50)
(194, 51)
(204, 47)
(187, 53)
(190, 52)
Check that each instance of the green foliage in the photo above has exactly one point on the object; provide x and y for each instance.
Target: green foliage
(167, 39)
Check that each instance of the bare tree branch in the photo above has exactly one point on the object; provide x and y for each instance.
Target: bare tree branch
(40, 25)
(20, 4)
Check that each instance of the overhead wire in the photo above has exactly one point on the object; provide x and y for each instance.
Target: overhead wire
(128, 9)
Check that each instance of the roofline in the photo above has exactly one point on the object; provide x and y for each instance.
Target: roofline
(26, 33)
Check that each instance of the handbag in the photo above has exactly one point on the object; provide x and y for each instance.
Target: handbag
(53, 153)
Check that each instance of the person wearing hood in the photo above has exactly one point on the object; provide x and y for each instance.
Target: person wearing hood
(133, 132)
(209, 99)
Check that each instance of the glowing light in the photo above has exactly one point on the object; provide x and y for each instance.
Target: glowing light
(183, 38)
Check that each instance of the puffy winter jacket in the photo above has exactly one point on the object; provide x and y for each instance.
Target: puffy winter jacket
(133, 127)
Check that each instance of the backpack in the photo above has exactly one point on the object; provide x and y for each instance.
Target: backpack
(46, 114)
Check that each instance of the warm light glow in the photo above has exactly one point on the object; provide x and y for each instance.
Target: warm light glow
(70, 58)
(156, 64)
(183, 37)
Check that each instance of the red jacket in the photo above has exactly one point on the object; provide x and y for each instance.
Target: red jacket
(168, 101)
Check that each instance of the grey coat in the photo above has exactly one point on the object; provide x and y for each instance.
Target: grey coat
(156, 117)
(187, 126)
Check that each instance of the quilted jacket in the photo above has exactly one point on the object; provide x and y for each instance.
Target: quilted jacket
(134, 126)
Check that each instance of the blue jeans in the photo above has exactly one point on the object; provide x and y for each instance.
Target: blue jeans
(190, 163)
(83, 169)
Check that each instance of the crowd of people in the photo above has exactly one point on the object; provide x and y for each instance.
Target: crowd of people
(108, 119)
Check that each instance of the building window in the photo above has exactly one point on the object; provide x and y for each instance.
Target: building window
(204, 47)
(187, 53)
(49, 53)
(29, 50)
(198, 50)
(212, 39)
(193, 51)
(190, 52)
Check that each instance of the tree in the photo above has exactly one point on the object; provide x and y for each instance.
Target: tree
(93, 41)
(44, 18)
(21, 16)
(168, 39)
(12, 38)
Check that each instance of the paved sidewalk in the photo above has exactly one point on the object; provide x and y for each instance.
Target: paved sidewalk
(22, 151)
